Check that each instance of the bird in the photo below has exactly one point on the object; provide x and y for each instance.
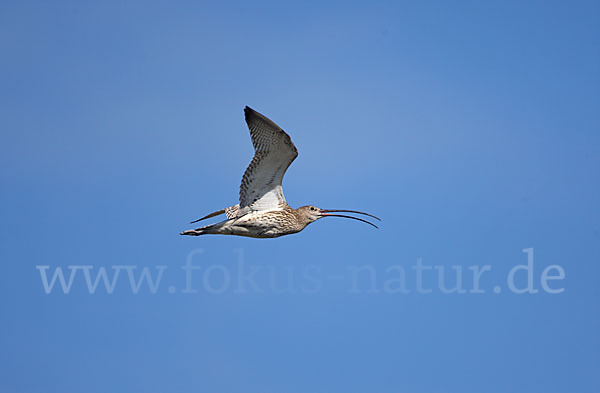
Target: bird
(262, 211)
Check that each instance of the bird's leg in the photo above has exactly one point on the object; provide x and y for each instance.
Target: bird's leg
(223, 227)
(197, 231)
(192, 232)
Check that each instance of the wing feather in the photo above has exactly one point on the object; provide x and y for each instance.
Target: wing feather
(274, 152)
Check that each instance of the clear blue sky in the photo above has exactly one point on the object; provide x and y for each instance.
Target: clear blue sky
(471, 128)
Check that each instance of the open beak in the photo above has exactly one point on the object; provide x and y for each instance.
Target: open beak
(324, 213)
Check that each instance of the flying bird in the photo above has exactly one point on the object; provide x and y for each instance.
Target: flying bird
(263, 211)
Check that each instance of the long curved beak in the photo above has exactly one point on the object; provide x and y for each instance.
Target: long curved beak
(324, 213)
(349, 211)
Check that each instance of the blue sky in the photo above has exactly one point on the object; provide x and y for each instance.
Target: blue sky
(471, 128)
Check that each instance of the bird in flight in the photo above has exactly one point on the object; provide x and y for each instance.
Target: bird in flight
(263, 211)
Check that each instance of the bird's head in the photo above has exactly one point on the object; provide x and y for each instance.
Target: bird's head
(312, 213)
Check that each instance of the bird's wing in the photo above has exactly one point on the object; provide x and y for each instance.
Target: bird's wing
(232, 211)
(274, 152)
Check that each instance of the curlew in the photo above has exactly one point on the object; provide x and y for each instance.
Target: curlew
(263, 211)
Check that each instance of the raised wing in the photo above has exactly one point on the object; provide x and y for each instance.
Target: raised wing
(274, 152)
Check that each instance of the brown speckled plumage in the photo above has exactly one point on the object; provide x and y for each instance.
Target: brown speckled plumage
(263, 211)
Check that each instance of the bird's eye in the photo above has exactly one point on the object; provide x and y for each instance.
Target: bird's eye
(312, 208)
